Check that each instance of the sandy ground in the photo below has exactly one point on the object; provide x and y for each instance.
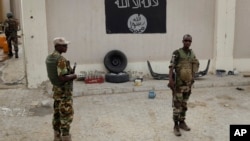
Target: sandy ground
(125, 117)
(101, 114)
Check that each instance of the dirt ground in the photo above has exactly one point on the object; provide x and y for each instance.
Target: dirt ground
(27, 116)
(101, 114)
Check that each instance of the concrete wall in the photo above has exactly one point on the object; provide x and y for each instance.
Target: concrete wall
(15, 6)
(83, 23)
(10, 6)
(242, 29)
(1, 12)
(34, 29)
(224, 34)
(5, 8)
(210, 22)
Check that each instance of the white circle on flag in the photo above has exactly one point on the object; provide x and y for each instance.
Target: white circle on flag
(137, 23)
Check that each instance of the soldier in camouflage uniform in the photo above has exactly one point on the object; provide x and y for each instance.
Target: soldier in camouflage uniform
(11, 26)
(61, 76)
(182, 69)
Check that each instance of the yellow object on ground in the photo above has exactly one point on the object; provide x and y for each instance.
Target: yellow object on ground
(4, 44)
(2, 40)
(5, 47)
(138, 82)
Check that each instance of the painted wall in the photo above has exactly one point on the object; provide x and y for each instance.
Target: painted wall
(224, 34)
(1, 12)
(83, 23)
(5, 8)
(15, 6)
(241, 41)
(34, 29)
(242, 30)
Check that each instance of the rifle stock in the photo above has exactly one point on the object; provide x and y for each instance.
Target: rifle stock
(173, 89)
(74, 68)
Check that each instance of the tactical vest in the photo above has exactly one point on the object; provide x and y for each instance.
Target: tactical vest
(51, 64)
(187, 65)
(12, 26)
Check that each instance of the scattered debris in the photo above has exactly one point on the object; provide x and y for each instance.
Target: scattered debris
(35, 104)
(240, 89)
(220, 72)
(230, 73)
(159, 76)
(233, 72)
(47, 103)
(246, 74)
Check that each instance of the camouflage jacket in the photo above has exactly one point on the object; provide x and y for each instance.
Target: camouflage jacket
(185, 65)
(63, 68)
(11, 25)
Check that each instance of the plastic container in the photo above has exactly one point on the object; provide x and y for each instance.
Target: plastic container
(91, 80)
(5, 47)
(138, 82)
(151, 94)
(2, 40)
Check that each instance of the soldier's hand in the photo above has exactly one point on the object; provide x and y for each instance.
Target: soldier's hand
(192, 81)
(171, 84)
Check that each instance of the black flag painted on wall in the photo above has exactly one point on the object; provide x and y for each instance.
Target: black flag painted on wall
(135, 16)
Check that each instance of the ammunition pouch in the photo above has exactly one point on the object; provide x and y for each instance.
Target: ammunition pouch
(184, 69)
(195, 66)
(187, 66)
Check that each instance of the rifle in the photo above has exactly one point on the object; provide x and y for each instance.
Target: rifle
(194, 69)
(74, 68)
(71, 70)
(173, 88)
(69, 84)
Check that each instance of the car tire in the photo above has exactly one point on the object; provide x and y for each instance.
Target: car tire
(117, 78)
(115, 61)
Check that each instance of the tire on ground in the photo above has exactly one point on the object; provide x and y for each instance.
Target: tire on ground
(115, 61)
(117, 78)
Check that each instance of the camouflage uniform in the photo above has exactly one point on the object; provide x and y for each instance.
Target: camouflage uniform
(63, 102)
(11, 28)
(184, 83)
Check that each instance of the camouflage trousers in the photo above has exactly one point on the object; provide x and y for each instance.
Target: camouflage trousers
(63, 111)
(180, 99)
(12, 38)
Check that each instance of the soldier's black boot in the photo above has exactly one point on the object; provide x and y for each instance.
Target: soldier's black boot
(10, 54)
(184, 126)
(57, 136)
(177, 129)
(66, 138)
(16, 55)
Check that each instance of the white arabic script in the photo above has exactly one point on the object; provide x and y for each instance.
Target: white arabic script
(136, 3)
